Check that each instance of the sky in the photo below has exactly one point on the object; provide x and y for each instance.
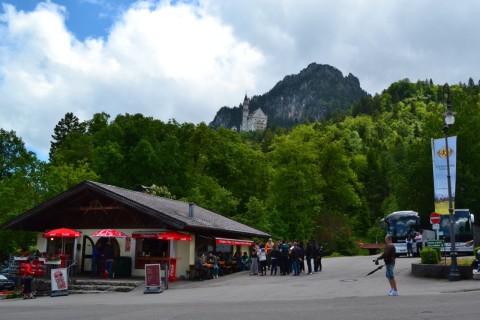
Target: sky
(184, 60)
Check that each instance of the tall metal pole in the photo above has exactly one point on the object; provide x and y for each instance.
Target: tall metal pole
(454, 274)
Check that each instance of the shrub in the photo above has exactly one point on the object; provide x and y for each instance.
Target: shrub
(475, 252)
(430, 255)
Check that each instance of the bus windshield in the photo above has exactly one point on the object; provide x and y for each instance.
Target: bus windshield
(400, 224)
(463, 226)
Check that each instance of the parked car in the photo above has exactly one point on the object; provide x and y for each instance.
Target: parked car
(6, 284)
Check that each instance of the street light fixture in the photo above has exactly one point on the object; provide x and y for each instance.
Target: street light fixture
(449, 120)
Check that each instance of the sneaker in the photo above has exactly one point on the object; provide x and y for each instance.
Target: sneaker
(393, 293)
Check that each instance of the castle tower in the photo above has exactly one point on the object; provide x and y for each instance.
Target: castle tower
(244, 126)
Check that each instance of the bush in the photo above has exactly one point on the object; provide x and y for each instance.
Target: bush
(430, 255)
(475, 253)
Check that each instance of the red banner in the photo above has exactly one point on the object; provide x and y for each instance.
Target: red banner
(38, 267)
(144, 235)
(233, 242)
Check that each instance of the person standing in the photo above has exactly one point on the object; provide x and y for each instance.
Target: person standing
(309, 255)
(274, 254)
(27, 280)
(317, 256)
(254, 257)
(409, 243)
(96, 253)
(269, 246)
(284, 248)
(109, 255)
(213, 259)
(418, 242)
(295, 255)
(262, 260)
(388, 256)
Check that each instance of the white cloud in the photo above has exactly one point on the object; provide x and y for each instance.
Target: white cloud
(161, 61)
(187, 60)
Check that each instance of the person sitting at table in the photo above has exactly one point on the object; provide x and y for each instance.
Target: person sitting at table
(245, 262)
(200, 267)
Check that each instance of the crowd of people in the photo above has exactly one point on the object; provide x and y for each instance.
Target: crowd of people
(280, 257)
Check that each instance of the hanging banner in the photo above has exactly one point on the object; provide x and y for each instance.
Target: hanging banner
(440, 179)
(128, 244)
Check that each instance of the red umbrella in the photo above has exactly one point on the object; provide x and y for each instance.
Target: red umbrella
(62, 233)
(109, 233)
(172, 235)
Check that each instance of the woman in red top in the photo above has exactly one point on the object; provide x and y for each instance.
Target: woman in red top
(27, 278)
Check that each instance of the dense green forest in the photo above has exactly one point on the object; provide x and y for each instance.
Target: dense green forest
(332, 180)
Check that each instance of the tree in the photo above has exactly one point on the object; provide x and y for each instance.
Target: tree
(19, 189)
(69, 123)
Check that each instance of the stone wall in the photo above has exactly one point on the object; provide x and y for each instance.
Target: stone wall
(440, 271)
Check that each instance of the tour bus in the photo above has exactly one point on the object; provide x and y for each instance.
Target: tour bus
(399, 225)
(464, 220)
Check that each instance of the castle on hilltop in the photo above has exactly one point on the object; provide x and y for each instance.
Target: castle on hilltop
(256, 121)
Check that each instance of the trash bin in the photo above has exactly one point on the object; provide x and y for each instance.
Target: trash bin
(123, 267)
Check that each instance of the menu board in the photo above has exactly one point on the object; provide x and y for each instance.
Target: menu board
(152, 275)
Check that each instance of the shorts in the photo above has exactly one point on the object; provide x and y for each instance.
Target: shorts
(389, 271)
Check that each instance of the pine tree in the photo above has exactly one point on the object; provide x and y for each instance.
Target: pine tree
(69, 123)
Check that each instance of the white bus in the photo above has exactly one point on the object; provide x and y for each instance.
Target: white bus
(399, 225)
(464, 220)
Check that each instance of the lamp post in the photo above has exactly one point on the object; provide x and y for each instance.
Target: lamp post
(449, 120)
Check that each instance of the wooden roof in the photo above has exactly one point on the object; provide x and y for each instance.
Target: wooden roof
(92, 205)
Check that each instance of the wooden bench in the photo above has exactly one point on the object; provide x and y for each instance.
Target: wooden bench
(192, 274)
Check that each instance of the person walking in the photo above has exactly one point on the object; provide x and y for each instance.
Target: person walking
(388, 256)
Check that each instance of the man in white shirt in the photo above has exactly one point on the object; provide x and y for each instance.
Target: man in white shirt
(418, 242)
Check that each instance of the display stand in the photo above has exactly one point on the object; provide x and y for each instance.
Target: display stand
(153, 279)
(59, 282)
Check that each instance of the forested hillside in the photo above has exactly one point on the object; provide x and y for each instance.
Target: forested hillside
(331, 180)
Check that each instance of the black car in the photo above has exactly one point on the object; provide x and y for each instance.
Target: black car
(6, 284)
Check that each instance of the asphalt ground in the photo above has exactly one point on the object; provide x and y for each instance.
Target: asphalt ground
(341, 277)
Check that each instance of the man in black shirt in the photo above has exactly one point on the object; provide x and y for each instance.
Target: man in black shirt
(199, 266)
(389, 254)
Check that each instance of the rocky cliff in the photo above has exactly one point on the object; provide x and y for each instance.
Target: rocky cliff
(317, 92)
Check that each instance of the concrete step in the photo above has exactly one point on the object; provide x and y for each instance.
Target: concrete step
(84, 286)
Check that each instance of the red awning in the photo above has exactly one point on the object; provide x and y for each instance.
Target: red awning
(233, 242)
